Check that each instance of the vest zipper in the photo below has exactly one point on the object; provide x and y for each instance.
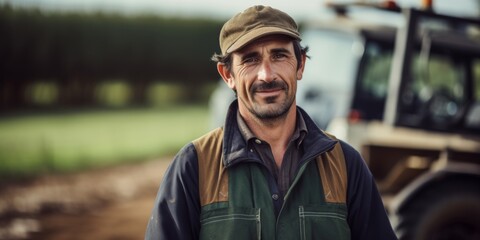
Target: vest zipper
(297, 177)
(299, 173)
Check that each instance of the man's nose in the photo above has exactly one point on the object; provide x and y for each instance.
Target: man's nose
(265, 72)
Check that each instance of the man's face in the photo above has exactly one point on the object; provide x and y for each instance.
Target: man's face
(264, 75)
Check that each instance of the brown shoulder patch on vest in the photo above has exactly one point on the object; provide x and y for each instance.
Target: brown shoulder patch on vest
(213, 179)
(333, 172)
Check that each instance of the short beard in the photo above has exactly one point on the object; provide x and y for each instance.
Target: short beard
(271, 114)
(279, 113)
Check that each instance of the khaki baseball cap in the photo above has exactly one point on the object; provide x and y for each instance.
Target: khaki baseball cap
(253, 23)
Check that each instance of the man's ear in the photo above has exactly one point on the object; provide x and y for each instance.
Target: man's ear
(227, 76)
(302, 67)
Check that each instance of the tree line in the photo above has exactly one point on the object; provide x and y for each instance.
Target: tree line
(77, 51)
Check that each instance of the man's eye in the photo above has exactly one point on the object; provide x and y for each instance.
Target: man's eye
(279, 56)
(250, 60)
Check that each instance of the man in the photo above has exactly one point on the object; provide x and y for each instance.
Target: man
(269, 173)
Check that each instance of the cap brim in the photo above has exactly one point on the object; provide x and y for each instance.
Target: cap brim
(258, 33)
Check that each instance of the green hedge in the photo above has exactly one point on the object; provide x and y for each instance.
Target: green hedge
(76, 51)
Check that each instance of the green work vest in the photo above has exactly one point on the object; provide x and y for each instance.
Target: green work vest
(236, 202)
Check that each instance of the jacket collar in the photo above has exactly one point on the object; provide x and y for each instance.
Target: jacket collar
(235, 149)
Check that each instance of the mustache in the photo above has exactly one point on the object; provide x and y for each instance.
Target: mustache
(262, 86)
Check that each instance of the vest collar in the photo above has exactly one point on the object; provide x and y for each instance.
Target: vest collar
(235, 149)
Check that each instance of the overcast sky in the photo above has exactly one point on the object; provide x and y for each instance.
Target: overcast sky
(299, 9)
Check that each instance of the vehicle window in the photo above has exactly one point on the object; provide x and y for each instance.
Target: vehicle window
(440, 75)
(436, 91)
(378, 61)
(372, 86)
(472, 120)
(476, 76)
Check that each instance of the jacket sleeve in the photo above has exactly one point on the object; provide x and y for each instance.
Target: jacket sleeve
(175, 214)
(366, 213)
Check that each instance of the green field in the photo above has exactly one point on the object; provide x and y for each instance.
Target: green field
(31, 145)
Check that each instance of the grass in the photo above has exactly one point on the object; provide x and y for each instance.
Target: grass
(68, 142)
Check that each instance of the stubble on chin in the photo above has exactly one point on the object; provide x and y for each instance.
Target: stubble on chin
(271, 109)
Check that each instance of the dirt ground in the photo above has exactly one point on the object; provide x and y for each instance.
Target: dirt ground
(110, 203)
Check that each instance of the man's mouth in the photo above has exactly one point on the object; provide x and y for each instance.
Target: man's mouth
(269, 89)
(269, 92)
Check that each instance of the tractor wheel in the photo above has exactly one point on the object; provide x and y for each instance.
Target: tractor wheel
(449, 212)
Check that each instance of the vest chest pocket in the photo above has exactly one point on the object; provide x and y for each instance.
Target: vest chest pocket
(327, 222)
(230, 223)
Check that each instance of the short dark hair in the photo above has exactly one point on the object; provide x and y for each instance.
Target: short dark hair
(227, 58)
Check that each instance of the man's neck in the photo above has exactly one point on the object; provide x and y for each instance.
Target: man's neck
(277, 132)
